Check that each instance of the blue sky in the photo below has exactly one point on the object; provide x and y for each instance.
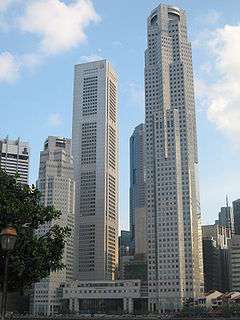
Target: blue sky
(41, 40)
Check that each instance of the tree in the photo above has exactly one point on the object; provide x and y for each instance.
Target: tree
(33, 256)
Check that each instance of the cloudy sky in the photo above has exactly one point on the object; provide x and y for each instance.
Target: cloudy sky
(41, 40)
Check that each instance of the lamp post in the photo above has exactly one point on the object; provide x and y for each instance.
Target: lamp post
(8, 239)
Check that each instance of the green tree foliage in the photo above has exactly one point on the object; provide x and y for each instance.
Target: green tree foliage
(33, 256)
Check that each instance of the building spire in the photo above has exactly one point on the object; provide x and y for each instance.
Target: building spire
(227, 201)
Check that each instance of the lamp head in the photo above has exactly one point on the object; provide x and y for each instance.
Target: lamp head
(8, 237)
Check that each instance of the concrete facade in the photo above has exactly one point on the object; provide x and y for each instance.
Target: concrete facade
(175, 266)
(126, 291)
(140, 231)
(95, 152)
(216, 257)
(57, 186)
(14, 158)
(137, 179)
(234, 250)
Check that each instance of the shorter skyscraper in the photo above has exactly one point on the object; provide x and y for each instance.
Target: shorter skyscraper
(216, 257)
(57, 186)
(124, 242)
(226, 218)
(236, 215)
(137, 183)
(14, 158)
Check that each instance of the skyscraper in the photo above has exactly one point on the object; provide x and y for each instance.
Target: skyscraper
(14, 158)
(216, 257)
(175, 266)
(236, 216)
(226, 218)
(137, 184)
(95, 152)
(57, 186)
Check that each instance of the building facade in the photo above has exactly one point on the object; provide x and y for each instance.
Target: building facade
(226, 218)
(236, 216)
(95, 152)
(216, 257)
(234, 249)
(140, 241)
(137, 183)
(57, 186)
(14, 158)
(102, 296)
(175, 266)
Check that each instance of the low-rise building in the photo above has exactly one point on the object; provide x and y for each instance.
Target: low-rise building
(101, 296)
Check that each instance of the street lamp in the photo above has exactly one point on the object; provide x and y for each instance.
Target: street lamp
(8, 239)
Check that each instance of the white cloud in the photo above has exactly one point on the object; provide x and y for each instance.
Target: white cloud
(90, 58)
(55, 120)
(9, 67)
(59, 26)
(223, 95)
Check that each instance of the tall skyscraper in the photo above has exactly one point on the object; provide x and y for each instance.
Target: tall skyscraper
(226, 217)
(95, 152)
(57, 186)
(236, 216)
(175, 266)
(14, 158)
(137, 184)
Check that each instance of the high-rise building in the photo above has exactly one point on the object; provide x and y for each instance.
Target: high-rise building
(57, 186)
(216, 257)
(226, 218)
(218, 233)
(175, 266)
(14, 158)
(236, 216)
(124, 242)
(95, 152)
(137, 184)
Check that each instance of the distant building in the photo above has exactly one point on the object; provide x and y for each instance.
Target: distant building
(135, 268)
(211, 265)
(95, 152)
(226, 217)
(140, 231)
(124, 243)
(236, 215)
(219, 233)
(137, 183)
(57, 186)
(234, 248)
(14, 158)
(216, 257)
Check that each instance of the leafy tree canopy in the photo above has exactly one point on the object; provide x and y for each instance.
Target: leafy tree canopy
(33, 256)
